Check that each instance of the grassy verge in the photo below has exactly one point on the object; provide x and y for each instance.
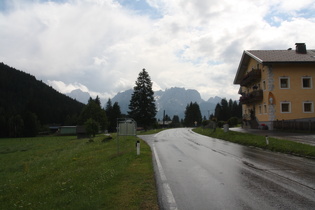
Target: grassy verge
(67, 173)
(277, 145)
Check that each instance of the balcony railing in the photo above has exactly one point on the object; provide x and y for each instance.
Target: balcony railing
(254, 96)
(251, 77)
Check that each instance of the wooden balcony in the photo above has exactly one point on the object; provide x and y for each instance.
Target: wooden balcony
(251, 77)
(254, 96)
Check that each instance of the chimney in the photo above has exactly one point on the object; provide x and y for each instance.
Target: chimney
(300, 48)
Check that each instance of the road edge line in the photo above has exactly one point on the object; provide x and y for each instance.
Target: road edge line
(166, 188)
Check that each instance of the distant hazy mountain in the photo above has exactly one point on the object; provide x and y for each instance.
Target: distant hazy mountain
(173, 101)
(123, 99)
(79, 95)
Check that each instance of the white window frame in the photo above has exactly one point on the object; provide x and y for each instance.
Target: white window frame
(286, 102)
(306, 77)
(288, 79)
(312, 106)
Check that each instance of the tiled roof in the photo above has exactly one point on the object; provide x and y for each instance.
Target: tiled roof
(270, 57)
(282, 56)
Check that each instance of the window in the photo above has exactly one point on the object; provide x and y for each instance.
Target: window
(264, 85)
(307, 107)
(284, 83)
(260, 109)
(265, 108)
(285, 107)
(306, 82)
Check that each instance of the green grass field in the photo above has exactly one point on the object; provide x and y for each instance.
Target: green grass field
(67, 173)
(277, 145)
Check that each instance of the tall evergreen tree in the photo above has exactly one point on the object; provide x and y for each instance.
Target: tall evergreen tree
(113, 112)
(94, 111)
(175, 121)
(192, 114)
(142, 104)
(218, 112)
(109, 106)
(236, 110)
(98, 101)
(116, 111)
(225, 110)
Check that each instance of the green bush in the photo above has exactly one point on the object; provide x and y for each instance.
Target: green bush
(233, 121)
(221, 123)
(205, 123)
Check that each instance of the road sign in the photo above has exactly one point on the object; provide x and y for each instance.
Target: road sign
(127, 127)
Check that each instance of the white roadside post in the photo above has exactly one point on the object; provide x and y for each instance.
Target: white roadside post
(267, 140)
(138, 147)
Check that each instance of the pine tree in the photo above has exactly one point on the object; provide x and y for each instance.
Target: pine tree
(225, 110)
(109, 106)
(218, 112)
(94, 111)
(142, 104)
(192, 114)
(113, 112)
(116, 111)
(225, 113)
(175, 121)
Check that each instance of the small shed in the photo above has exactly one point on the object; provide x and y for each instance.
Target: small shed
(67, 130)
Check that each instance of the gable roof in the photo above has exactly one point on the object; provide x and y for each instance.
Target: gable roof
(281, 56)
(266, 57)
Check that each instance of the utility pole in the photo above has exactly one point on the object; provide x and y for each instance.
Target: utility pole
(163, 118)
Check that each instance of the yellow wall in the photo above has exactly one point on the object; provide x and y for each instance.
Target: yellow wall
(296, 95)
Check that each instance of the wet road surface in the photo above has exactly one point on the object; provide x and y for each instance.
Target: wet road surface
(198, 172)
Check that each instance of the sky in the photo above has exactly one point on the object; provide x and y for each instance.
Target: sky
(101, 46)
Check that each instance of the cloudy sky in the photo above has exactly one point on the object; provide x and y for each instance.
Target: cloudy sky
(100, 46)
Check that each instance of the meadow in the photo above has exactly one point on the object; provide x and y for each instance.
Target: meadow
(63, 172)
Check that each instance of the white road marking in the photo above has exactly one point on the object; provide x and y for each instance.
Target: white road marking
(167, 190)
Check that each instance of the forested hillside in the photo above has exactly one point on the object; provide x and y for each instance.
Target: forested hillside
(26, 102)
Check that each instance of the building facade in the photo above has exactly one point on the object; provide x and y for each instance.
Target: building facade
(276, 85)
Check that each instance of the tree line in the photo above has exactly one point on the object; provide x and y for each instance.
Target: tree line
(143, 110)
(29, 106)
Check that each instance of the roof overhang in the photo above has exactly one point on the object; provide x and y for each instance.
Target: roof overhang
(243, 66)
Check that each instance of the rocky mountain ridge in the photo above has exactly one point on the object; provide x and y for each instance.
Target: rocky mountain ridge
(173, 101)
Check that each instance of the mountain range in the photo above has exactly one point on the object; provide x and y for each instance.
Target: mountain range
(173, 101)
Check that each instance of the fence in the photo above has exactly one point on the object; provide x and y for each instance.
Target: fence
(307, 125)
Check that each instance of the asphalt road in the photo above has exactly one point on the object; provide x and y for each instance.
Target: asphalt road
(198, 172)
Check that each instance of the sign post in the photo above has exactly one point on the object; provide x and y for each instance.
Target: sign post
(126, 127)
(138, 147)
